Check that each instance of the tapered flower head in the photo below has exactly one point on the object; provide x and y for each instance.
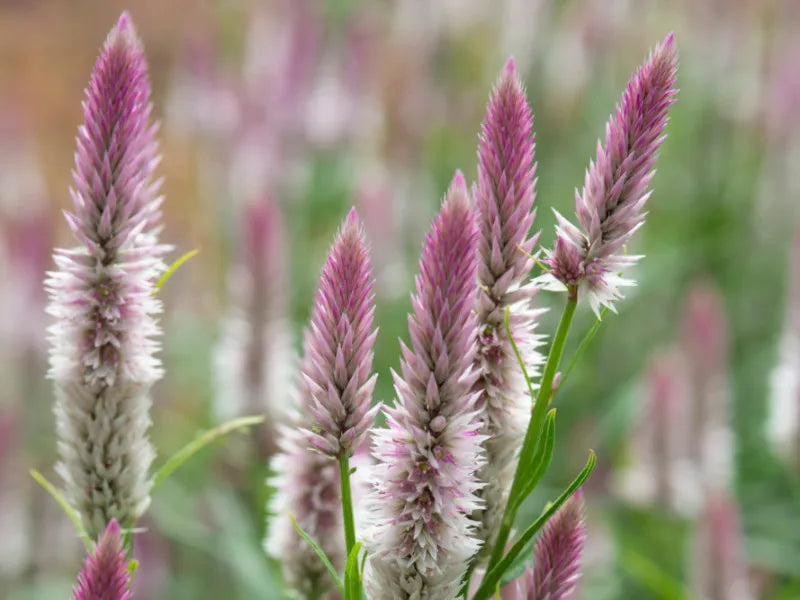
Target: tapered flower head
(424, 486)
(105, 574)
(102, 357)
(504, 197)
(557, 555)
(610, 206)
(337, 379)
(334, 397)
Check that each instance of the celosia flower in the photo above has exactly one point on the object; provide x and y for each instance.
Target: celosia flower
(610, 207)
(504, 197)
(307, 484)
(105, 574)
(254, 355)
(335, 392)
(424, 485)
(337, 378)
(557, 555)
(718, 562)
(102, 358)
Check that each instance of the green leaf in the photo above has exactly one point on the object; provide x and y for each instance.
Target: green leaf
(321, 553)
(202, 440)
(584, 344)
(174, 267)
(71, 513)
(541, 459)
(522, 546)
(352, 577)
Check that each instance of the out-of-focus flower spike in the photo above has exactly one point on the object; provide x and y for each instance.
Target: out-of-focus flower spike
(610, 206)
(102, 358)
(557, 555)
(424, 485)
(105, 574)
(718, 563)
(504, 197)
(782, 427)
(254, 357)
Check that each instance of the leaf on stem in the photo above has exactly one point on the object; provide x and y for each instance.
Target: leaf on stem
(319, 552)
(201, 441)
(71, 513)
(174, 267)
(522, 547)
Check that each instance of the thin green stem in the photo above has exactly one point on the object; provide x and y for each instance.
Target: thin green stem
(535, 426)
(584, 344)
(347, 502)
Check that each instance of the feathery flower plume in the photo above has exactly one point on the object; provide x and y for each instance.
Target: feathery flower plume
(557, 555)
(337, 367)
(609, 209)
(102, 358)
(254, 355)
(335, 388)
(424, 485)
(105, 574)
(504, 196)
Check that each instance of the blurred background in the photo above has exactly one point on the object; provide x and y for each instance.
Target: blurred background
(277, 116)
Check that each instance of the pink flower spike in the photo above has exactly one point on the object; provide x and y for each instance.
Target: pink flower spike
(424, 485)
(610, 208)
(103, 348)
(557, 555)
(337, 379)
(504, 197)
(105, 574)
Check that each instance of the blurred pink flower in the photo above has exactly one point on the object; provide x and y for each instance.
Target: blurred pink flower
(105, 574)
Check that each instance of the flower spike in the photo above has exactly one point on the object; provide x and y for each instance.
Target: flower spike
(504, 197)
(610, 206)
(424, 485)
(102, 358)
(337, 369)
(105, 574)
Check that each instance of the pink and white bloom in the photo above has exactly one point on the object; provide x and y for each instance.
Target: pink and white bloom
(335, 396)
(590, 257)
(103, 354)
(425, 488)
(504, 197)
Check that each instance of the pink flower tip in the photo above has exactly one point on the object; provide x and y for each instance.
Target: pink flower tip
(105, 574)
(510, 70)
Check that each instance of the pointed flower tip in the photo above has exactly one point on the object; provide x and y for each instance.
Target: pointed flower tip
(123, 33)
(510, 70)
(458, 184)
(352, 217)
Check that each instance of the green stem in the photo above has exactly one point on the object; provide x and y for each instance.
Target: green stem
(534, 431)
(347, 501)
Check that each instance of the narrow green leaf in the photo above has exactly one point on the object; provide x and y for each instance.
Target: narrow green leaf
(321, 553)
(584, 344)
(202, 440)
(352, 577)
(71, 513)
(174, 267)
(523, 545)
(541, 459)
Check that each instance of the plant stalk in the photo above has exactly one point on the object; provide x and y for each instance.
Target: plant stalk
(347, 501)
(534, 431)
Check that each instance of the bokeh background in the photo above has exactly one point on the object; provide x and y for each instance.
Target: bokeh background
(689, 396)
